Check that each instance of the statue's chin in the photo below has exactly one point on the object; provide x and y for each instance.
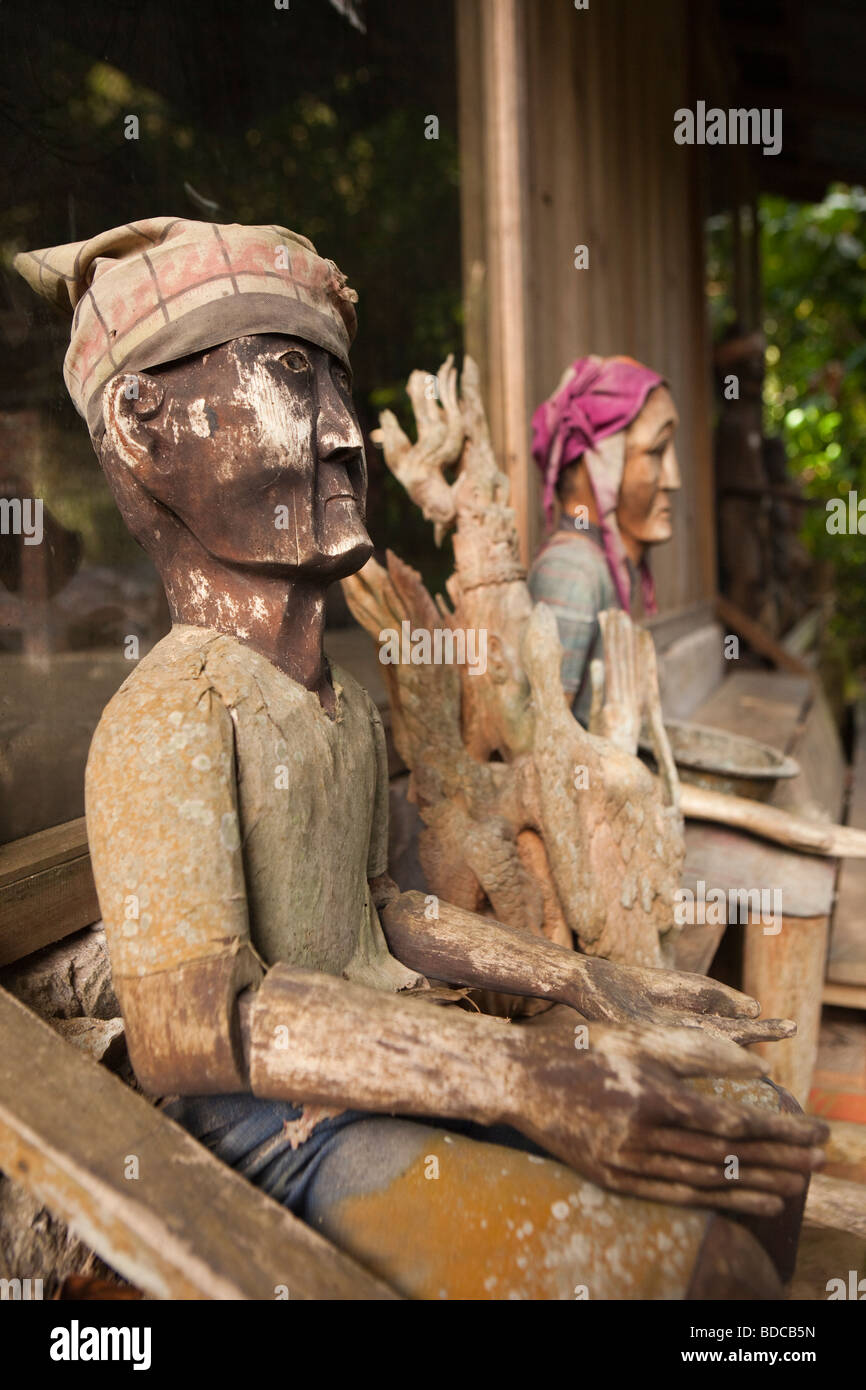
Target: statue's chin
(655, 533)
(347, 561)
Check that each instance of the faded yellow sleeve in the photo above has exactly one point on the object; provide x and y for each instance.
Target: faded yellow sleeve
(162, 822)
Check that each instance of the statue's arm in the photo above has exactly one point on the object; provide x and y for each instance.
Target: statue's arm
(203, 1012)
(463, 948)
(165, 846)
(613, 1109)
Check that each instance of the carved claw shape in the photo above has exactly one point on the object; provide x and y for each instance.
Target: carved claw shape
(441, 434)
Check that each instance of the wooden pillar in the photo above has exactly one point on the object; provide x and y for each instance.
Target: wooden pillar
(785, 972)
(494, 199)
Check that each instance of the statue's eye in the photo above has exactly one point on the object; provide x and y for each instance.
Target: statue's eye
(296, 361)
(341, 379)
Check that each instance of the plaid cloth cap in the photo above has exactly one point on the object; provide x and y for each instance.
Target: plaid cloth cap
(151, 292)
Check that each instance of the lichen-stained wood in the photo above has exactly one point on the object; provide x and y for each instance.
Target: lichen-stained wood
(210, 777)
(526, 814)
(187, 1227)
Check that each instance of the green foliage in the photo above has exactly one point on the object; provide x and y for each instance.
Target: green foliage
(295, 120)
(814, 259)
(814, 289)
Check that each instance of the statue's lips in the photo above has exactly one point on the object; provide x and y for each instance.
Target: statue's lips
(349, 497)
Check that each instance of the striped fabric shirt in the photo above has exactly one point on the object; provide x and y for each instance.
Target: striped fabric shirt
(571, 574)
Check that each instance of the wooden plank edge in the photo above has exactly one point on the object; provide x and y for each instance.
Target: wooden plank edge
(847, 996)
(155, 1248)
(35, 853)
(46, 907)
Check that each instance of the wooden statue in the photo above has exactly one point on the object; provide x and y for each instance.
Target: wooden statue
(526, 814)
(604, 442)
(273, 980)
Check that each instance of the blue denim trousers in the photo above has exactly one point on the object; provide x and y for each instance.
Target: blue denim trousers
(249, 1134)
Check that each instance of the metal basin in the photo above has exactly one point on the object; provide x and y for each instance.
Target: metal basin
(723, 762)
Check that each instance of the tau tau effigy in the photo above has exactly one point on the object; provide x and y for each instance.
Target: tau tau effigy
(275, 984)
(604, 443)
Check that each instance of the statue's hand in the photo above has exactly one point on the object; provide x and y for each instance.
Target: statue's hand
(619, 1114)
(617, 692)
(613, 993)
(625, 695)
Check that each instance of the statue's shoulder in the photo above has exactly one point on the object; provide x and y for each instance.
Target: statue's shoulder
(570, 560)
(170, 689)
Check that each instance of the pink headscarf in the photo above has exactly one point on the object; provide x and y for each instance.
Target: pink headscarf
(598, 397)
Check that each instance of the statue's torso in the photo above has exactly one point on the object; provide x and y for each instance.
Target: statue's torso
(261, 796)
(572, 576)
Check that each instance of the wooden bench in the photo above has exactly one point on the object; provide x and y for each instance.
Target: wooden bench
(785, 708)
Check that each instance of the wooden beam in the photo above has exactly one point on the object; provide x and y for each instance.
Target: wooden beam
(47, 848)
(473, 179)
(506, 232)
(845, 996)
(46, 889)
(186, 1226)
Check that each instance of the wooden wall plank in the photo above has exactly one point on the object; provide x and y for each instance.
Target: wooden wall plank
(45, 907)
(601, 89)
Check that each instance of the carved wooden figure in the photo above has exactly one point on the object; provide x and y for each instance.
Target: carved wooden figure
(274, 982)
(526, 814)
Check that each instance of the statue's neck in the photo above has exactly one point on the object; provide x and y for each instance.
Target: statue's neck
(283, 620)
(634, 549)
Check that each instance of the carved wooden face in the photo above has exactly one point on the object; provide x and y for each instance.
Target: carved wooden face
(256, 447)
(651, 473)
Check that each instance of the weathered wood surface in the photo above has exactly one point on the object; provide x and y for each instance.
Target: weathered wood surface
(724, 858)
(765, 705)
(834, 1202)
(785, 972)
(642, 294)
(819, 791)
(527, 815)
(596, 1109)
(848, 996)
(771, 823)
(46, 889)
(188, 1227)
(47, 848)
(846, 1152)
(690, 668)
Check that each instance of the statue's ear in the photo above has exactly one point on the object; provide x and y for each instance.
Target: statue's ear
(129, 402)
